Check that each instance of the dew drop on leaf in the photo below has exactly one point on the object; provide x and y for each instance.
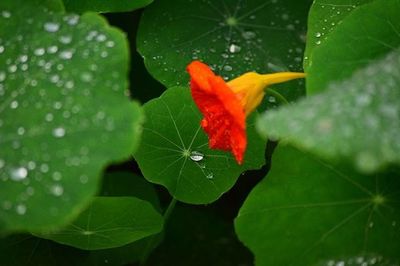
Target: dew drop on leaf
(18, 174)
(196, 156)
(21, 209)
(59, 132)
(51, 26)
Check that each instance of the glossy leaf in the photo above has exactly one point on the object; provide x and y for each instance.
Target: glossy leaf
(110, 222)
(367, 34)
(172, 134)
(123, 184)
(231, 36)
(104, 6)
(323, 18)
(357, 120)
(31, 251)
(308, 211)
(64, 114)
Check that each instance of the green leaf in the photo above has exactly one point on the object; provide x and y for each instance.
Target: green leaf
(356, 120)
(308, 211)
(27, 250)
(50, 5)
(172, 134)
(231, 36)
(63, 113)
(110, 222)
(367, 34)
(104, 6)
(121, 184)
(323, 18)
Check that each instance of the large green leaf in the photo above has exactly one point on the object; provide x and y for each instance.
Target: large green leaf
(122, 184)
(323, 18)
(104, 5)
(172, 134)
(232, 36)
(367, 33)
(307, 211)
(64, 114)
(356, 120)
(110, 222)
(28, 250)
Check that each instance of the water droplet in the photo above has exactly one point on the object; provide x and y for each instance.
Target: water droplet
(318, 42)
(86, 76)
(67, 54)
(18, 174)
(59, 132)
(57, 190)
(21, 209)
(234, 48)
(51, 26)
(318, 34)
(227, 68)
(1, 49)
(12, 68)
(49, 117)
(371, 224)
(39, 51)
(72, 19)
(31, 165)
(83, 179)
(101, 38)
(110, 44)
(248, 35)
(285, 16)
(44, 168)
(14, 104)
(224, 55)
(271, 99)
(210, 176)
(52, 49)
(65, 39)
(20, 131)
(2, 76)
(5, 14)
(196, 156)
(56, 176)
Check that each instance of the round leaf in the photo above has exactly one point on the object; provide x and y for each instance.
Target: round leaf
(357, 120)
(172, 134)
(368, 33)
(110, 222)
(323, 18)
(63, 112)
(104, 6)
(232, 36)
(308, 211)
(122, 184)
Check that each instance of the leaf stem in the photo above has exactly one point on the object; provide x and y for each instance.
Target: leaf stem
(277, 95)
(169, 210)
(152, 239)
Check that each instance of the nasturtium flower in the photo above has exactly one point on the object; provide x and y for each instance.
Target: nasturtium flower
(225, 105)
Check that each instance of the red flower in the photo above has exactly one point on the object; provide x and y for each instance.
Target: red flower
(224, 118)
(226, 105)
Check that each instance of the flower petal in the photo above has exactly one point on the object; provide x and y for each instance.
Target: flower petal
(224, 117)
